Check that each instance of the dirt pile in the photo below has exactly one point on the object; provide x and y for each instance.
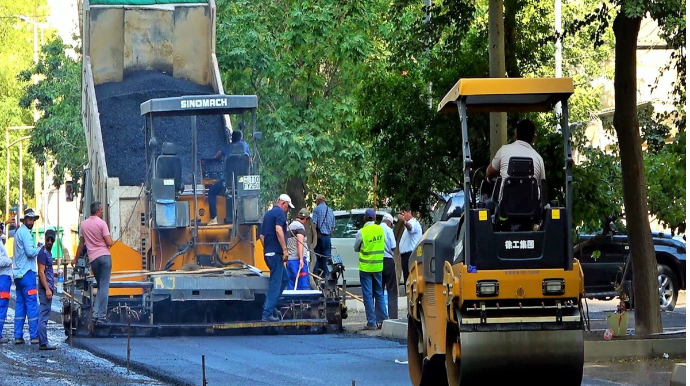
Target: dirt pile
(122, 125)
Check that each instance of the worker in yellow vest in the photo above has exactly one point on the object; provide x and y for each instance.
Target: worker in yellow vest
(370, 243)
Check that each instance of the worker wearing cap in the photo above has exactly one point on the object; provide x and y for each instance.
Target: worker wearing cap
(298, 269)
(370, 243)
(5, 284)
(46, 288)
(24, 271)
(325, 222)
(273, 237)
(389, 276)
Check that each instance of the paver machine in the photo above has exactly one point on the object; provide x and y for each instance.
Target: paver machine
(494, 296)
(201, 277)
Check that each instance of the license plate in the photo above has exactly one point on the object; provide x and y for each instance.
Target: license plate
(251, 182)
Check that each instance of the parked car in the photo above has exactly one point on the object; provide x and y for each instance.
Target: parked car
(347, 223)
(603, 263)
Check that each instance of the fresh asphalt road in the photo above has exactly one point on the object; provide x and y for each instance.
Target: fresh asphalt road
(299, 360)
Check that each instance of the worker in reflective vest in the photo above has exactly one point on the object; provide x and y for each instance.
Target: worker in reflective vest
(370, 243)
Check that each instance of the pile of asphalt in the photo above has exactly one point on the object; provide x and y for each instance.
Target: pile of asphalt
(122, 124)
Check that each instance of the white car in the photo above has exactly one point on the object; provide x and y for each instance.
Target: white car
(347, 223)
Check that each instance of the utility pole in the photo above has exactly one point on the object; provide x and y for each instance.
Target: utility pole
(427, 3)
(559, 52)
(497, 69)
(8, 145)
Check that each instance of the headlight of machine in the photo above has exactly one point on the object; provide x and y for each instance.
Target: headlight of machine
(553, 287)
(487, 288)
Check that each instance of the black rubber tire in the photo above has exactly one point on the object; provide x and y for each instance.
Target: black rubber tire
(670, 282)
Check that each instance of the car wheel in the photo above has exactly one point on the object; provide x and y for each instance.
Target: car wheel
(668, 288)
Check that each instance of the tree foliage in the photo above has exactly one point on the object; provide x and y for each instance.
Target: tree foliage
(303, 59)
(58, 137)
(16, 53)
(419, 151)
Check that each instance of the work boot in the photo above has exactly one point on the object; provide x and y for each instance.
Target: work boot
(270, 319)
(214, 221)
(47, 347)
(370, 327)
(35, 341)
(4, 340)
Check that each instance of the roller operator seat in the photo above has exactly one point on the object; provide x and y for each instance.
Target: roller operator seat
(520, 202)
(236, 162)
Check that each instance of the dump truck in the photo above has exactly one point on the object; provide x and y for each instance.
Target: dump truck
(496, 294)
(150, 72)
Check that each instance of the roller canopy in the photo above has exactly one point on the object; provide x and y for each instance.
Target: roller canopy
(507, 94)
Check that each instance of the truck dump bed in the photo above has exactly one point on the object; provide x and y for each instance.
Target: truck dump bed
(121, 41)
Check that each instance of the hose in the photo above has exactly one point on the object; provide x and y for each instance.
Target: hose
(170, 262)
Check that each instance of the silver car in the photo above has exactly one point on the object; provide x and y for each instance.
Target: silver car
(347, 223)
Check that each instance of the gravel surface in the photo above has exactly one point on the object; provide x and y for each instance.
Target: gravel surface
(121, 124)
(25, 365)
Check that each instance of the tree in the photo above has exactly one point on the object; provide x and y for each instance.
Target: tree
(15, 55)
(304, 61)
(58, 137)
(417, 150)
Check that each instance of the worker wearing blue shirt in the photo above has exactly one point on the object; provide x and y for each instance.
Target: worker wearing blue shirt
(25, 269)
(5, 284)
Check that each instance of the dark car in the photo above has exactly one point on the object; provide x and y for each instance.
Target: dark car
(603, 263)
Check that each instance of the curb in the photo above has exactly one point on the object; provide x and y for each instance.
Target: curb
(594, 350)
(678, 375)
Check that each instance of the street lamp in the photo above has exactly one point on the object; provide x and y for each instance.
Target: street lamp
(21, 172)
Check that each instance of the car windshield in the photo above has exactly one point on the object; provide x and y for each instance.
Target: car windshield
(347, 225)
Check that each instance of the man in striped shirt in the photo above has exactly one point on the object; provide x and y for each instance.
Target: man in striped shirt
(325, 222)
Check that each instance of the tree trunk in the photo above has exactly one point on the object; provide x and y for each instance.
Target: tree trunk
(512, 68)
(298, 193)
(647, 313)
(497, 69)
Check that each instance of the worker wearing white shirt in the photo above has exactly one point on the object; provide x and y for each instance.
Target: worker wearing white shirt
(390, 280)
(409, 240)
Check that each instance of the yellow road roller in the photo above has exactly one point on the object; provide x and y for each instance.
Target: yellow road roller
(495, 296)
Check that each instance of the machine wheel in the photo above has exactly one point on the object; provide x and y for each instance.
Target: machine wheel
(415, 359)
(423, 372)
(668, 288)
(452, 367)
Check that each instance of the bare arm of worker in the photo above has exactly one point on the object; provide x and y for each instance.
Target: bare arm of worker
(300, 250)
(491, 173)
(80, 248)
(261, 237)
(44, 281)
(494, 168)
(281, 239)
(108, 241)
(407, 225)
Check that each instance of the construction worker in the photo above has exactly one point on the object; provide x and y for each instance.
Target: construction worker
(409, 239)
(390, 279)
(94, 234)
(24, 272)
(273, 237)
(5, 284)
(46, 289)
(217, 189)
(298, 269)
(370, 243)
(325, 222)
(522, 147)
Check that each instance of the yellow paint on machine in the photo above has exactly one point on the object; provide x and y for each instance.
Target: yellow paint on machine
(519, 283)
(125, 258)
